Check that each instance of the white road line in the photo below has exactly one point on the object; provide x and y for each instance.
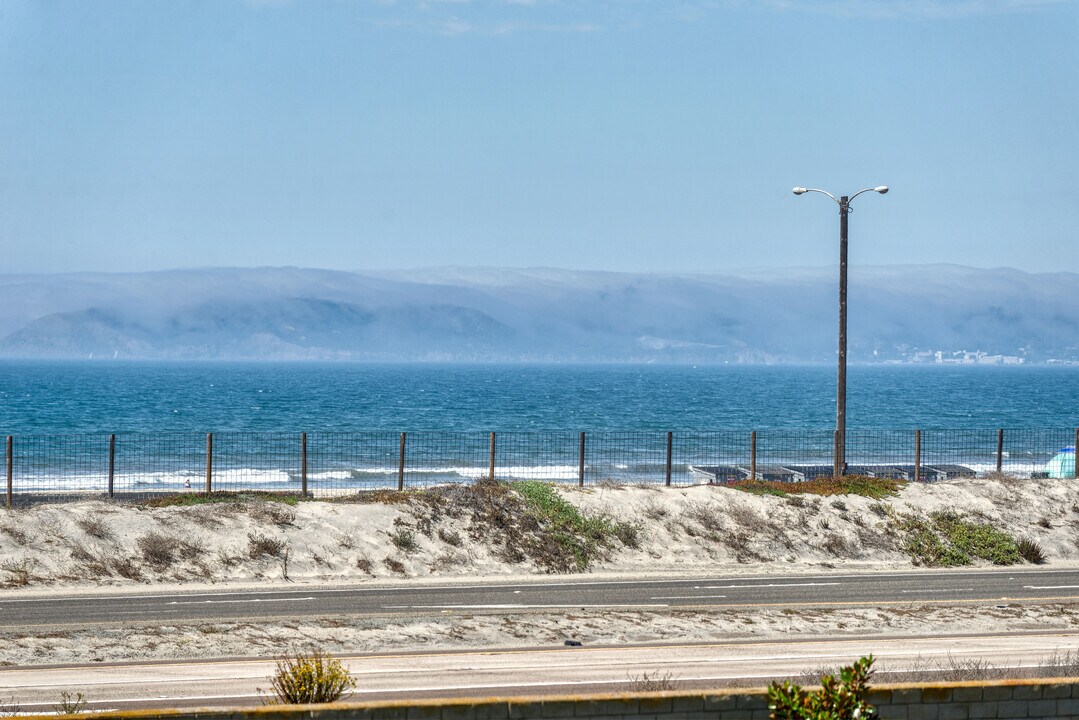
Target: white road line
(163, 596)
(686, 597)
(946, 590)
(769, 585)
(245, 600)
(1050, 587)
(511, 606)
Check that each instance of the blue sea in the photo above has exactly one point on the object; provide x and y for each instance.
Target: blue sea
(61, 416)
(110, 396)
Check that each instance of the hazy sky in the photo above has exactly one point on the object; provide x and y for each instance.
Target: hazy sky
(606, 134)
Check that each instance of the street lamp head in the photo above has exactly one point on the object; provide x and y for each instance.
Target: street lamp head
(803, 191)
(882, 189)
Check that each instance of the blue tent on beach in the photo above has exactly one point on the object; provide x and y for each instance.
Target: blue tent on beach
(1063, 464)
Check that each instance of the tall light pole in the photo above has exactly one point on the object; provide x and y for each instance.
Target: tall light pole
(839, 463)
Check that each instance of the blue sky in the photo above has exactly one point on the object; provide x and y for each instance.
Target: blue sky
(632, 135)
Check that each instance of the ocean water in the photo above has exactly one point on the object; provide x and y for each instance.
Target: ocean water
(109, 396)
(61, 414)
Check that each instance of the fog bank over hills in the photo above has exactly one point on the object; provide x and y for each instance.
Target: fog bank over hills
(502, 314)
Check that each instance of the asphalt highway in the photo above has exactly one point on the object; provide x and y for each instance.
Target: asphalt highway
(510, 673)
(1006, 586)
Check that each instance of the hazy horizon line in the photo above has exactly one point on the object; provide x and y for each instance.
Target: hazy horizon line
(750, 269)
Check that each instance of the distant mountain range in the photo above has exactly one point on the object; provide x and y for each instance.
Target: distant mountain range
(501, 314)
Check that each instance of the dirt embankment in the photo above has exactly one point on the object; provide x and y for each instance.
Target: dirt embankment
(496, 529)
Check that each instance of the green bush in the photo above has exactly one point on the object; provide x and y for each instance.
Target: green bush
(405, 540)
(842, 699)
(870, 487)
(948, 540)
(576, 539)
(307, 679)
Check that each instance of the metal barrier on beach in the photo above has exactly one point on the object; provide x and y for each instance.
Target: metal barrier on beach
(140, 465)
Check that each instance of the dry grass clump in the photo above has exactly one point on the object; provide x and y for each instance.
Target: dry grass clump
(50, 529)
(653, 510)
(20, 572)
(95, 527)
(381, 496)
(101, 565)
(449, 560)
(259, 545)
(274, 513)
(747, 517)
(125, 567)
(1031, 551)
(952, 669)
(221, 496)
(839, 546)
(71, 703)
(15, 534)
(9, 707)
(654, 682)
(708, 516)
(161, 550)
(450, 537)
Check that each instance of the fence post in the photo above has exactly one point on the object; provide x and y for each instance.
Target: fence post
(1075, 470)
(209, 462)
(401, 465)
(1000, 449)
(670, 443)
(837, 469)
(112, 461)
(580, 463)
(752, 454)
(492, 469)
(303, 464)
(10, 467)
(917, 455)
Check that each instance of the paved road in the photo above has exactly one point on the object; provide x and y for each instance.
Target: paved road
(825, 589)
(517, 672)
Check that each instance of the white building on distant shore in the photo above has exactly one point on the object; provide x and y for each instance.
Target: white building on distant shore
(964, 357)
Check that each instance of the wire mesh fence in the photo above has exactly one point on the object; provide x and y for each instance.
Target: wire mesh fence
(134, 465)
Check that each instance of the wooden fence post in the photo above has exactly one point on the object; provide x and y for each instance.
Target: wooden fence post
(580, 462)
(670, 443)
(209, 462)
(303, 464)
(401, 465)
(10, 467)
(753, 455)
(491, 474)
(917, 455)
(112, 461)
(1000, 449)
